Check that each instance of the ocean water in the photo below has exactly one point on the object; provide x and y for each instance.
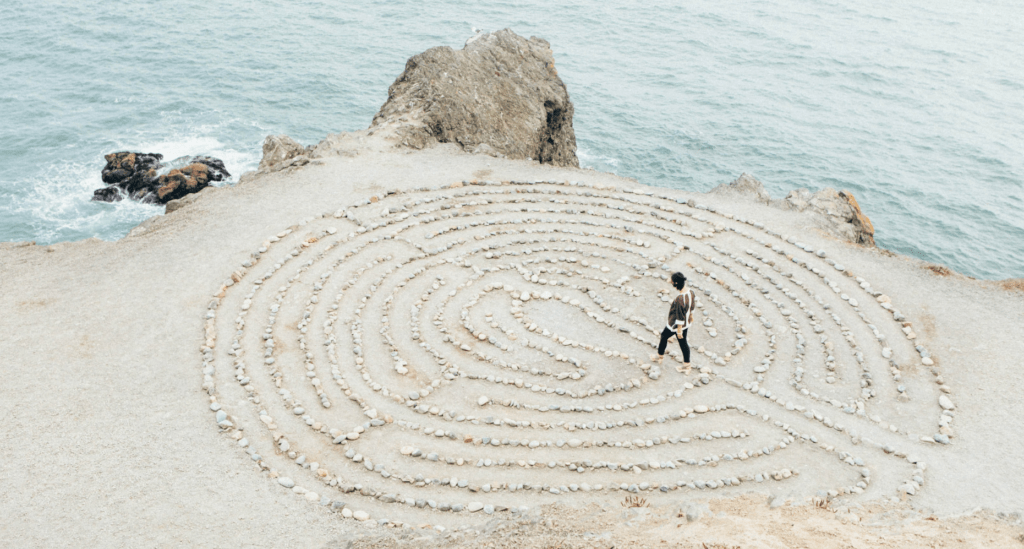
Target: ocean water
(917, 107)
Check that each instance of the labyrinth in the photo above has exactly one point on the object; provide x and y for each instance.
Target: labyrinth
(433, 356)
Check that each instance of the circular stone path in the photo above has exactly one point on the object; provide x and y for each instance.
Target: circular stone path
(427, 356)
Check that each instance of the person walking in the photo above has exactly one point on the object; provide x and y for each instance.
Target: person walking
(680, 317)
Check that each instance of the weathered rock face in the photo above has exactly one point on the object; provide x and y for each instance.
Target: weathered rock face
(840, 210)
(746, 186)
(863, 228)
(135, 176)
(500, 93)
(278, 149)
(189, 179)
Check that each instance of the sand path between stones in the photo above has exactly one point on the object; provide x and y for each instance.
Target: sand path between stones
(447, 354)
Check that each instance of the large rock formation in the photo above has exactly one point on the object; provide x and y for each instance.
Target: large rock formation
(500, 95)
(137, 176)
(840, 210)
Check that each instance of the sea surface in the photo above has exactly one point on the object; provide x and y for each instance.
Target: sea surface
(917, 107)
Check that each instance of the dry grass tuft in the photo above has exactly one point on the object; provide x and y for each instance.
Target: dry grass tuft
(635, 501)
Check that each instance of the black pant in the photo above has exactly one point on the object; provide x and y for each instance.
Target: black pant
(683, 345)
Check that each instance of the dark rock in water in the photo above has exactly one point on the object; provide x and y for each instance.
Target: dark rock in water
(132, 173)
(108, 194)
(215, 164)
(189, 179)
(501, 90)
(136, 176)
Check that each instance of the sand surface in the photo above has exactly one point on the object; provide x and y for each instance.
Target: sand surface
(107, 436)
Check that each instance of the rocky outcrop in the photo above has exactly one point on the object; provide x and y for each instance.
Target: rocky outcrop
(862, 226)
(839, 208)
(499, 95)
(746, 186)
(137, 176)
(842, 214)
(278, 149)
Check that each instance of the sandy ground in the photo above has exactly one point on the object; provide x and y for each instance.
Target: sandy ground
(743, 522)
(107, 437)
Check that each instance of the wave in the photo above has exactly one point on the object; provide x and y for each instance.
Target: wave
(236, 161)
(596, 161)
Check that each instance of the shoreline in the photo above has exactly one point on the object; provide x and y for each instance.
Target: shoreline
(759, 193)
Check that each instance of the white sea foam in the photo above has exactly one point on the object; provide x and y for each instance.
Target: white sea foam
(589, 159)
(58, 204)
(236, 161)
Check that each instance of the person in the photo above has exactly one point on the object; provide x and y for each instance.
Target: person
(680, 317)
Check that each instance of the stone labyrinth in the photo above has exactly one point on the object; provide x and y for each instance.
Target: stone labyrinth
(427, 356)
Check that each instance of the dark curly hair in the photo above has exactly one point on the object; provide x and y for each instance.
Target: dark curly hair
(678, 280)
